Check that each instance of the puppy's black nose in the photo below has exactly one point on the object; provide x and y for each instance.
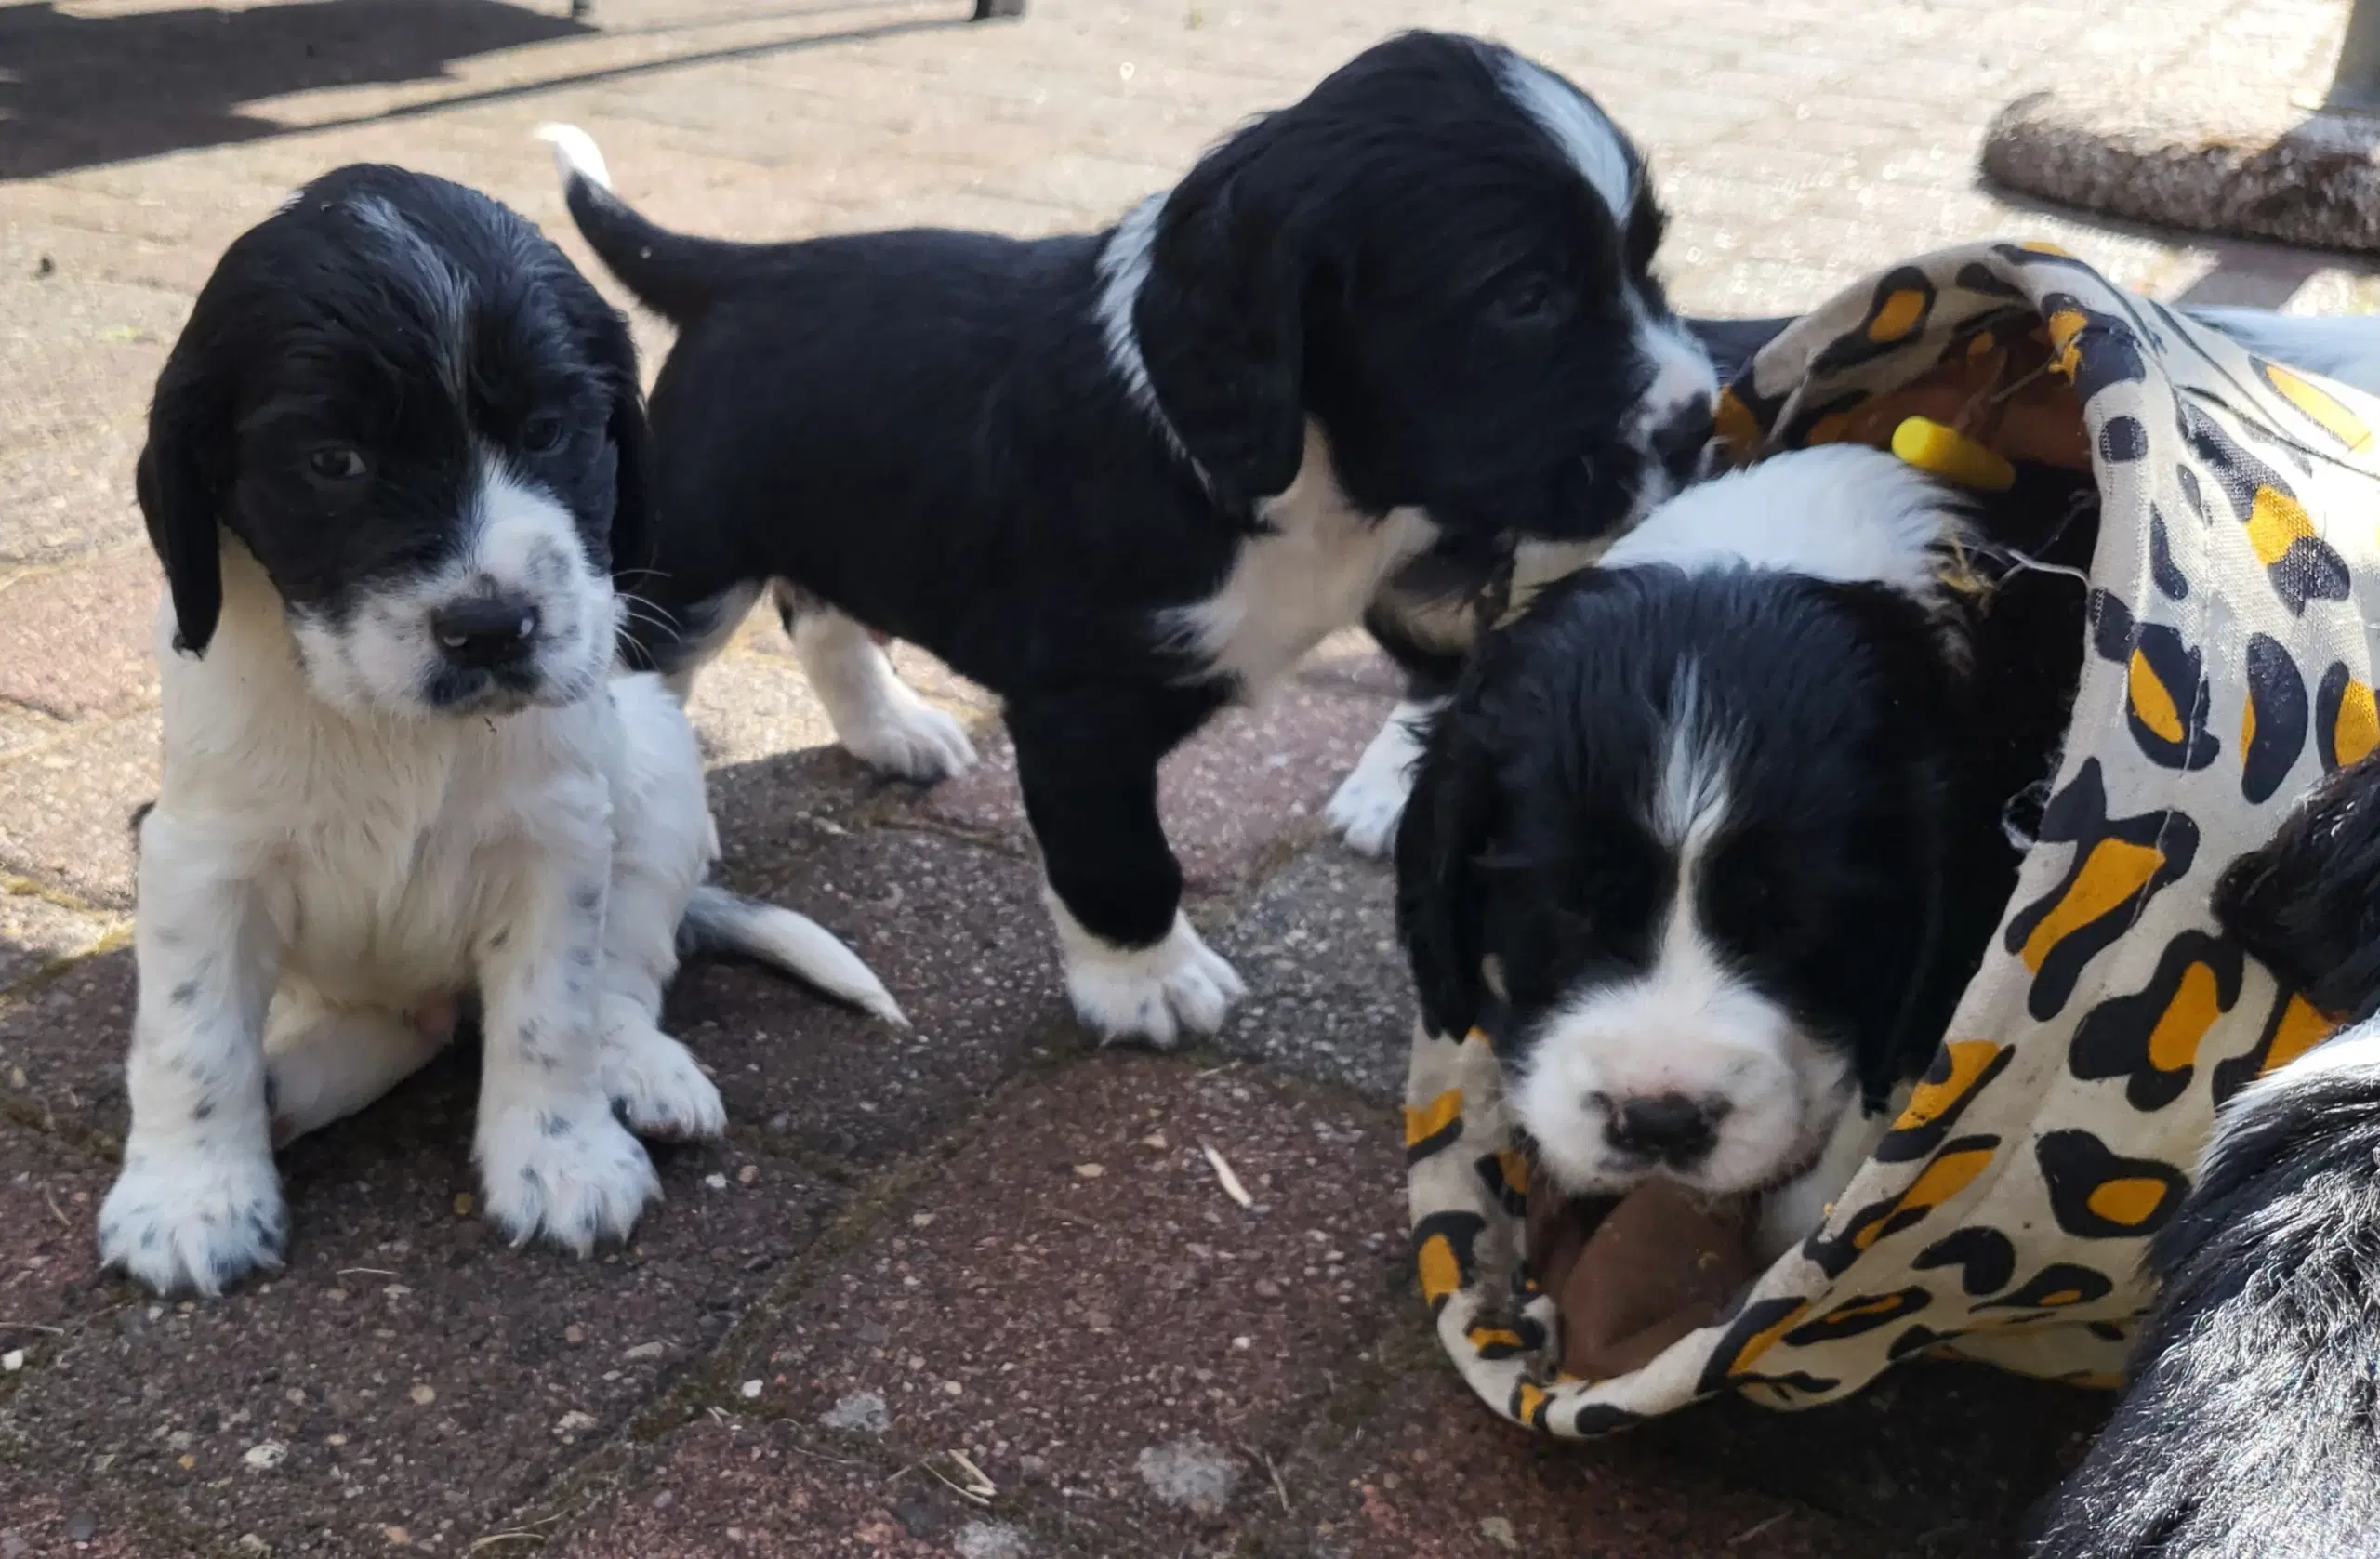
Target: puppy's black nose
(1667, 1125)
(1678, 442)
(485, 631)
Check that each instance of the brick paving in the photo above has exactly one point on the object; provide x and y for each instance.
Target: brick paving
(984, 1238)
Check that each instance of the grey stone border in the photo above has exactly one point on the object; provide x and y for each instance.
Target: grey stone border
(2314, 182)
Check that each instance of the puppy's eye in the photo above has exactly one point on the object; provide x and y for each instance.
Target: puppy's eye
(1527, 300)
(336, 462)
(544, 433)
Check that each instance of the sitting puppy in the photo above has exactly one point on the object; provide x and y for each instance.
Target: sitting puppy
(1709, 840)
(388, 464)
(2247, 1431)
(1125, 478)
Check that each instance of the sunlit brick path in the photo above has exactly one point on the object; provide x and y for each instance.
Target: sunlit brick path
(983, 1237)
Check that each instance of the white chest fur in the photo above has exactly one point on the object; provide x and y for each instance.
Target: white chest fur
(1312, 574)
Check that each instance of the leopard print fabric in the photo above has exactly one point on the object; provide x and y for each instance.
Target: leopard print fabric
(2005, 1215)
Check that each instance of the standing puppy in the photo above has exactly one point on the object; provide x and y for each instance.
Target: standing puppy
(1123, 479)
(389, 464)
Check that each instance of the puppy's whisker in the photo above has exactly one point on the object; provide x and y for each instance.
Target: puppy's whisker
(640, 610)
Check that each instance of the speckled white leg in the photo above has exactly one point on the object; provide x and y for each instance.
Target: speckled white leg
(198, 1204)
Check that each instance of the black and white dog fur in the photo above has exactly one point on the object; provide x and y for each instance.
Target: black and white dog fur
(1427, 619)
(389, 464)
(1707, 840)
(1422, 618)
(1124, 477)
(2250, 1427)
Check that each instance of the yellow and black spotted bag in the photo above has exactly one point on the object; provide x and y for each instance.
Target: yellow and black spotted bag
(2005, 1215)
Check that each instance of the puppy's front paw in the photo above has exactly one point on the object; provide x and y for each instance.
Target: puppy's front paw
(194, 1220)
(571, 1174)
(654, 1081)
(1157, 992)
(903, 736)
(1364, 809)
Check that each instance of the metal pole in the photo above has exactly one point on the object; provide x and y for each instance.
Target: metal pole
(2356, 87)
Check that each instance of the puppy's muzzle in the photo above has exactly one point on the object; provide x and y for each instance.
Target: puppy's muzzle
(486, 633)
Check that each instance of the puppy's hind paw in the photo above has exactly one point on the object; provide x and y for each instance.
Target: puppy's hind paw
(908, 737)
(194, 1222)
(570, 1175)
(653, 1082)
(1159, 993)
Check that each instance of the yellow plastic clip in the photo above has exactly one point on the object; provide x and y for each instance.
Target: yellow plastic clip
(1951, 455)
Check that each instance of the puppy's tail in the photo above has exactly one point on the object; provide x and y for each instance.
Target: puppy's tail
(720, 922)
(674, 276)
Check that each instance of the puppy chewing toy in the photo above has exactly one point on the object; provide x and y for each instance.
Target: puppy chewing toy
(2185, 543)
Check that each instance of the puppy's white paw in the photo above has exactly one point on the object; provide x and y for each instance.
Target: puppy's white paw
(1364, 809)
(653, 1080)
(194, 1220)
(903, 736)
(879, 718)
(569, 1173)
(1176, 986)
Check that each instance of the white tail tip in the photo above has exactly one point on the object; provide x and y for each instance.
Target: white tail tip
(576, 154)
(722, 921)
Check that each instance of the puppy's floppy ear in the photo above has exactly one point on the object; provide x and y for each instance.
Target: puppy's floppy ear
(180, 482)
(1447, 820)
(1219, 317)
(632, 532)
(1922, 706)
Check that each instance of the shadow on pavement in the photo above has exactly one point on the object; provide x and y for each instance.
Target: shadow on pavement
(77, 90)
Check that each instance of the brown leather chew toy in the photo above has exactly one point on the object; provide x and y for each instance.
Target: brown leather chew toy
(1630, 1278)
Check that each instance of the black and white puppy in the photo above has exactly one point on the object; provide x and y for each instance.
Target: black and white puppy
(1428, 619)
(390, 463)
(1124, 477)
(2250, 1427)
(1709, 839)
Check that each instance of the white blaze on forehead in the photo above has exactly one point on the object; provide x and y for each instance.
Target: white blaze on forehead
(1690, 796)
(440, 284)
(1591, 141)
(1688, 1024)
